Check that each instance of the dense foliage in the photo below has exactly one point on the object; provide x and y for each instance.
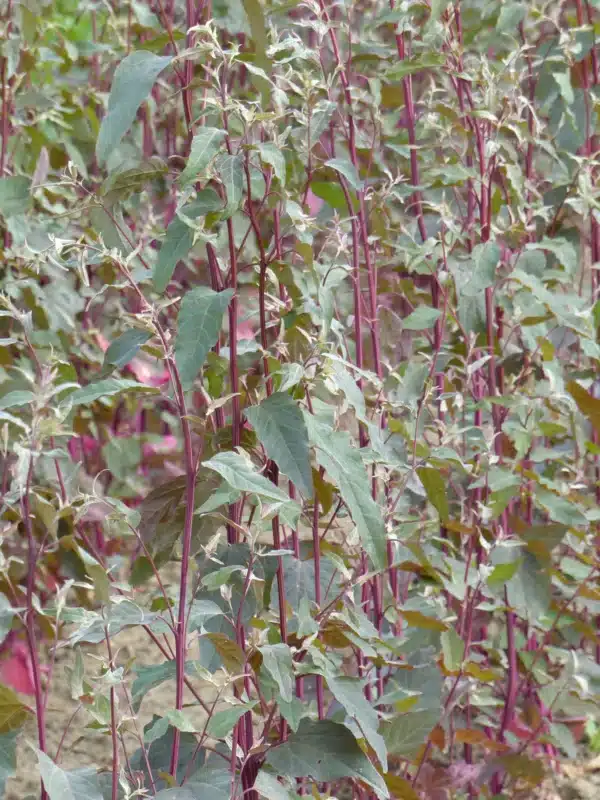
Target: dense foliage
(299, 373)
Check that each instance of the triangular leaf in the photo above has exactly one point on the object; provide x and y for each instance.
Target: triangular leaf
(68, 785)
(409, 732)
(324, 751)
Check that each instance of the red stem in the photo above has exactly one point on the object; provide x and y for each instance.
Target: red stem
(113, 726)
(33, 556)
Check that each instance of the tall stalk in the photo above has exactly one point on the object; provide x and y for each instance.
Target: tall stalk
(34, 552)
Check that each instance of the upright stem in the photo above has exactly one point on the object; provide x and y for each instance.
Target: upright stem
(113, 726)
(190, 492)
(33, 555)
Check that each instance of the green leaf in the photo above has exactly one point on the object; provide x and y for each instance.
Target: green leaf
(529, 590)
(163, 513)
(179, 720)
(74, 784)
(435, 487)
(271, 154)
(200, 319)
(407, 733)
(124, 348)
(214, 580)
(200, 611)
(511, 15)
(158, 754)
(230, 169)
(106, 388)
(586, 403)
(104, 225)
(336, 453)
(17, 398)
(319, 120)
(422, 681)
(421, 318)
(560, 508)
(179, 237)
(91, 627)
(292, 712)
(502, 573)
(132, 83)
(7, 614)
(324, 751)
(206, 202)
(230, 652)
(205, 146)
(280, 427)
(176, 245)
(239, 474)
(269, 787)
(299, 581)
(148, 677)
(258, 28)
(13, 712)
(76, 674)
(486, 257)
(222, 723)
(207, 782)
(410, 66)
(349, 692)
(453, 649)
(348, 170)
(14, 195)
(277, 661)
(124, 182)
(472, 276)
(8, 758)
(332, 193)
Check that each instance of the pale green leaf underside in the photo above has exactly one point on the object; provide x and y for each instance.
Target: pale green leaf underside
(68, 785)
(240, 475)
